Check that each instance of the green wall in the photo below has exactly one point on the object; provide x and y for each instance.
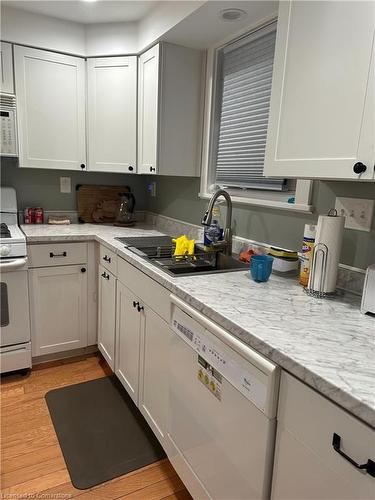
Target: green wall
(178, 197)
(38, 187)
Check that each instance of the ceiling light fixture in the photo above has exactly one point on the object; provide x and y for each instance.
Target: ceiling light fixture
(232, 14)
(89, 1)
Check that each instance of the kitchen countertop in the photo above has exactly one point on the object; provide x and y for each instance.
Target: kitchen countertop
(328, 344)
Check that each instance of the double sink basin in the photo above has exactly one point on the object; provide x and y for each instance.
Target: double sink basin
(159, 250)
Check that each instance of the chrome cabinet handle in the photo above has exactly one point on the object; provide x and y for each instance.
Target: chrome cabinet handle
(106, 258)
(52, 255)
(105, 275)
(368, 467)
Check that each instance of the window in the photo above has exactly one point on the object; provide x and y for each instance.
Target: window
(237, 106)
(243, 102)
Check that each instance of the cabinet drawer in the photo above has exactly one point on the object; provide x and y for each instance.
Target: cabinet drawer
(144, 287)
(312, 421)
(108, 259)
(57, 254)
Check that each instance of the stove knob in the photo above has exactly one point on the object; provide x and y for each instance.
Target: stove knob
(4, 250)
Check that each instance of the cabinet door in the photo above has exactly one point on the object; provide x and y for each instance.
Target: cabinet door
(128, 329)
(148, 97)
(112, 114)
(306, 465)
(50, 92)
(58, 298)
(6, 68)
(321, 116)
(154, 373)
(107, 316)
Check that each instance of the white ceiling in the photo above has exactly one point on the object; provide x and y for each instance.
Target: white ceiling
(205, 26)
(101, 11)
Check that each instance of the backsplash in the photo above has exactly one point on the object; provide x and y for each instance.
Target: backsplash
(349, 279)
(40, 187)
(177, 198)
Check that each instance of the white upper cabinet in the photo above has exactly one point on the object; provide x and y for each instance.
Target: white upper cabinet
(321, 122)
(112, 114)
(50, 91)
(169, 111)
(148, 110)
(6, 68)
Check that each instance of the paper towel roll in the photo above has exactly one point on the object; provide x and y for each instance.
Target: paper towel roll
(329, 234)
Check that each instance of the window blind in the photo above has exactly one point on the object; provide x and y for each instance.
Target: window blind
(246, 78)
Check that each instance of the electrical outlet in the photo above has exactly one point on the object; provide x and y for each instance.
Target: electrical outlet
(65, 185)
(358, 213)
(151, 188)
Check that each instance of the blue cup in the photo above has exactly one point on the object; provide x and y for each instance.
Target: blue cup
(261, 267)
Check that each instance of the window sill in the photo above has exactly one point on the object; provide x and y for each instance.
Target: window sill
(267, 203)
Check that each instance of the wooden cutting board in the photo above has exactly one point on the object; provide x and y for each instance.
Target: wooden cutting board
(99, 204)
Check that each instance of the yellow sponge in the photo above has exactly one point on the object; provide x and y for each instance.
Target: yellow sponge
(184, 246)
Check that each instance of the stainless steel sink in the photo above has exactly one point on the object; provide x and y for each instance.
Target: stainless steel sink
(160, 252)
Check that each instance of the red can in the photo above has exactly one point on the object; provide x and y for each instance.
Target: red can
(39, 215)
(28, 215)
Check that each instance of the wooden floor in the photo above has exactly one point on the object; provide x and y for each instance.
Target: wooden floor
(31, 459)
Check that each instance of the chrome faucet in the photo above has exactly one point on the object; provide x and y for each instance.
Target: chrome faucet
(226, 244)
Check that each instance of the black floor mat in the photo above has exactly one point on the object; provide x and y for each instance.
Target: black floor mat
(101, 432)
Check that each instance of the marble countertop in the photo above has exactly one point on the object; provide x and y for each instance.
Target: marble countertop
(328, 344)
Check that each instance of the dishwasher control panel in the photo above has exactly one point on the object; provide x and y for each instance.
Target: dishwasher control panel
(244, 376)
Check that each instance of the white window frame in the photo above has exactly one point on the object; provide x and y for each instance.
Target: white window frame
(265, 198)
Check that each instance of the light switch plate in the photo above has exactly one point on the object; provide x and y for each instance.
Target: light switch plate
(65, 185)
(358, 212)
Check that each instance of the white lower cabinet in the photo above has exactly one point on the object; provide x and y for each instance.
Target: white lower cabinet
(128, 333)
(306, 464)
(58, 297)
(142, 340)
(107, 315)
(153, 397)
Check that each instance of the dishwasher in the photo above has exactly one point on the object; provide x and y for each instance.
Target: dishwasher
(222, 410)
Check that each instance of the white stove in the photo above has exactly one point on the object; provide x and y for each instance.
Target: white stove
(12, 239)
(13, 242)
(15, 345)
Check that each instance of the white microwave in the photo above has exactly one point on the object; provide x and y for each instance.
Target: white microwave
(8, 142)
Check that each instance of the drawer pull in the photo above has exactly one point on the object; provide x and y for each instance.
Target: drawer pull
(105, 275)
(368, 467)
(135, 304)
(52, 255)
(106, 258)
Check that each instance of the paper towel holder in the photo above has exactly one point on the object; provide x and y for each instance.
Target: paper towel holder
(320, 250)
